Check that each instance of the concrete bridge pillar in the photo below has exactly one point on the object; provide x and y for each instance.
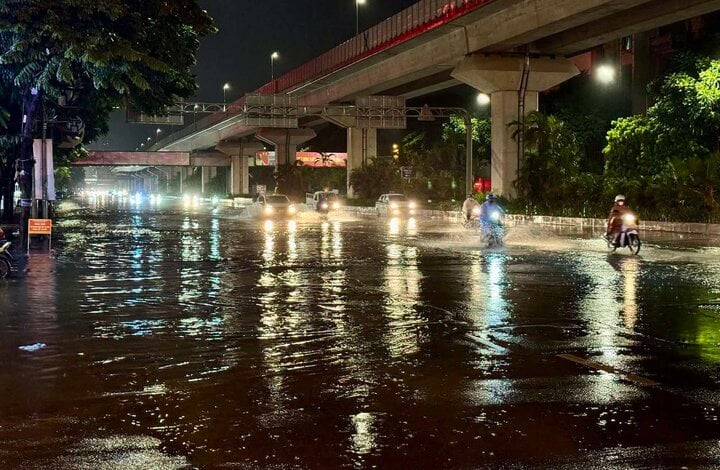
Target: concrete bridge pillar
(205, 178)
(361, 146)
(240, 155)
(501, 78)
(285, 141)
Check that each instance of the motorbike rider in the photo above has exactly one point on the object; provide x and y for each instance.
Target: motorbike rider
(321, 200)
(615, 221)
(468, 207)
(488, 208)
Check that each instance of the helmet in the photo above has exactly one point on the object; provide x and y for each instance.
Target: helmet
(490, 197)
(619, 198)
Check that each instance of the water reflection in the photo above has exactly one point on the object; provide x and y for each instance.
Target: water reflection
(630, 268)
(365, 433)
(488, 288)
(402, 286)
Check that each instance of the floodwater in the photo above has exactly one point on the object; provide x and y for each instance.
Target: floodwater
(165, 338)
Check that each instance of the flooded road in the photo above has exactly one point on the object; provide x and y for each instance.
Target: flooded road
(174, 339)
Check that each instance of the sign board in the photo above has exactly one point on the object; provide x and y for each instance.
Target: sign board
(406, 172)
(39, 227)
(279, 111)
(136, 117)
(381, 112)
(260, 189)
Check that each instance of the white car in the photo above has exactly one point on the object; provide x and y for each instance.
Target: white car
(275, 205)
(395, 205)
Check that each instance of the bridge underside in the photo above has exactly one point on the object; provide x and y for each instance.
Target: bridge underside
(205, 159)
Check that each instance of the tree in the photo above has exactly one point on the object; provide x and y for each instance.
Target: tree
(588, 110)
(377, 177)
(549, 176)
(94, 55)
(455, 135)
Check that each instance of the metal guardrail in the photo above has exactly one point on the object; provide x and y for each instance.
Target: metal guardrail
(414, 21)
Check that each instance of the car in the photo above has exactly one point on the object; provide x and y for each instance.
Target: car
(272, 206)
(331, 201)
(394, 205)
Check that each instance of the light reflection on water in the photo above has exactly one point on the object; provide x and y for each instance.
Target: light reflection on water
(402, 285)
(237, 341)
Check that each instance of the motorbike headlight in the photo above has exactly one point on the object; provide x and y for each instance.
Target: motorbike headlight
(495, 216)
(269, 209)
(393, 205)
(215, 200)
(630, 218)
(476, 211)
(336, 205)
(292, 210)
(411, 205)
(324, 205)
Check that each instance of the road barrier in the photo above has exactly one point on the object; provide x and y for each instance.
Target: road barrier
(580, 222)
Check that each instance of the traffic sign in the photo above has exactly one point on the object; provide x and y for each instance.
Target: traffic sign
(406, 172)
(39, 227)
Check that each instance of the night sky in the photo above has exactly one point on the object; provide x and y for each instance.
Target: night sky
(248, 32)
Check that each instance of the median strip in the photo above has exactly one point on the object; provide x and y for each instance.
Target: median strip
(611, 370)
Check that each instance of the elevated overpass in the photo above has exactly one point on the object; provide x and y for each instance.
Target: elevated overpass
(510, 49)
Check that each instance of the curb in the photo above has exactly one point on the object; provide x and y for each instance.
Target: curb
(597, 224)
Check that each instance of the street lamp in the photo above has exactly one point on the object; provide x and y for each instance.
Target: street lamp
(357, 15)
(226, 87)
(483, 99)
(273, 57)
(605, 74)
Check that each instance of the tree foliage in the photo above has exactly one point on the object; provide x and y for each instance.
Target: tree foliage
(80, 59)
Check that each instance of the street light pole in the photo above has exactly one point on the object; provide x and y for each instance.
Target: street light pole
(226, 87)
(357, 15)
(273, 56)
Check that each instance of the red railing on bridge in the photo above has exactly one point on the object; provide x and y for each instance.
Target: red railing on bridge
(409, 23)
(412, 22)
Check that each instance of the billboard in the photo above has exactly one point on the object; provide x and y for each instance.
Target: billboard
(311, 159)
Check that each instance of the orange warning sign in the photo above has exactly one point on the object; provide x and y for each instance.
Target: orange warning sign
(40, 227)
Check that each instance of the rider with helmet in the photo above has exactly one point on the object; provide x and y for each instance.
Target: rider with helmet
(490, 211)
(470, 208)
(615, 221)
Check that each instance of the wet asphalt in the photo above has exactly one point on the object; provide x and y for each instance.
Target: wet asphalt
(173, 338)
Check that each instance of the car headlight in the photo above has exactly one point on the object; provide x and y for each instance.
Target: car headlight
(629, 218)
(411, 205)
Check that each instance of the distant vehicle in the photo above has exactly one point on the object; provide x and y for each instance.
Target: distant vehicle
(272, 206)
(395, 205)
(323, 201)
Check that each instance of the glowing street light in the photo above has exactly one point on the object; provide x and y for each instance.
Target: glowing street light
(605, 74)
(226, 87)
(483, 99)
(357, 15)
(273, 57)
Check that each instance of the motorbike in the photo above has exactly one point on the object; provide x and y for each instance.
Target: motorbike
(628, 237)
(323, 207)
(6, 259)
(491, 231)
